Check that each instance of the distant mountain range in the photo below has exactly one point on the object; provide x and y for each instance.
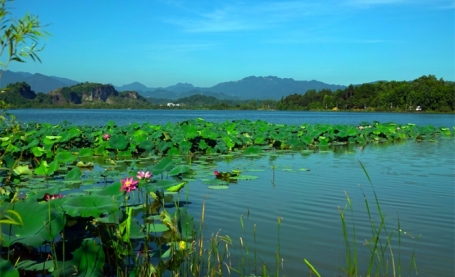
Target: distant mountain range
(252, 87)
(38, 82)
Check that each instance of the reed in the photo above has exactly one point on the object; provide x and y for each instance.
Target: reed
(382, 260)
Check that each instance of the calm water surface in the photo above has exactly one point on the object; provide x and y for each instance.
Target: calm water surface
(413, 181)
(125, 117)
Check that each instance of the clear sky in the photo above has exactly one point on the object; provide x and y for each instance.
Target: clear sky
(162, 42)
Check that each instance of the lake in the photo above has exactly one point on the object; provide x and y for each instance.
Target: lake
(124, 117)
(414, 182)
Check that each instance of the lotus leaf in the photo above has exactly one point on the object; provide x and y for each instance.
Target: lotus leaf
(164, 165)
(173, 152)
(7, 269)
(118, 142)
(90, 205)
(185, 146)
(218, 187)
(47, 169)
(180, 169)
(23, 170)
(164, 145)
(146, 145)
(157, 227)
(38, 151)
(86, 152)
(65, 157)
(30, 265)
(88, 261)
(73, 174)
(176, 188)
(37, 227)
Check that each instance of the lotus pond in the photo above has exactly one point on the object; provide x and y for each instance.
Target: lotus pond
(141, 199)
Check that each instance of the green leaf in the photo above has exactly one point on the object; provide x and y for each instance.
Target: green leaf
(88, 261)
(53, 166)
(118, 142)
(42, 169)
(38, 151)
(185, 146)
(86, 152)
(157, 227)
(65, 157)
(147, 145)
(74, 174)
(23, 170)
(218, 187)
(37, 228)
(90, 205)
(176, 188)
(31, 265)
(165, 164)
(202, 144)
(180, 169)
(7, 269)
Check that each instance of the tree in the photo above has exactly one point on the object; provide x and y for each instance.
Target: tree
(18, 41)
(19, 37)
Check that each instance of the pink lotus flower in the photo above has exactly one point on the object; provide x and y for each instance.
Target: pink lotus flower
(144, 175)
(216, 172)
(48, 197)
(106, 136)
(128, 185)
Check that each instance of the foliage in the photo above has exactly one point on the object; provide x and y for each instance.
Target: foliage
(103, 229)
(427, 92)
(16, 94)
(19, 38)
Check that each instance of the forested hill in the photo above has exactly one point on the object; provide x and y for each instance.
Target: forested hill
(428, 92)
(87, 95)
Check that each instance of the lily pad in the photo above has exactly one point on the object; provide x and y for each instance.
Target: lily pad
(218, 187)
(36, 228)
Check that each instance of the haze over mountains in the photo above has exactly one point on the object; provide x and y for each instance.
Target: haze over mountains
(252, 87)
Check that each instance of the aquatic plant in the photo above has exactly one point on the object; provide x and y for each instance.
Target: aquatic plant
(128, 185)
(92, 214)
(380, 244)
(141, 175)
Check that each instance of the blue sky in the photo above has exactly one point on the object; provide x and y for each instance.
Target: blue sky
(160, 43)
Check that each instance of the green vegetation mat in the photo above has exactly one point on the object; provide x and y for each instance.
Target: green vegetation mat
(115, 219)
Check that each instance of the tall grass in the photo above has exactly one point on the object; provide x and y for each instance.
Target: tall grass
(382, 260)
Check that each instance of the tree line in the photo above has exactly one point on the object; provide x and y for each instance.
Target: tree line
(20, 95)
(426, 92)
